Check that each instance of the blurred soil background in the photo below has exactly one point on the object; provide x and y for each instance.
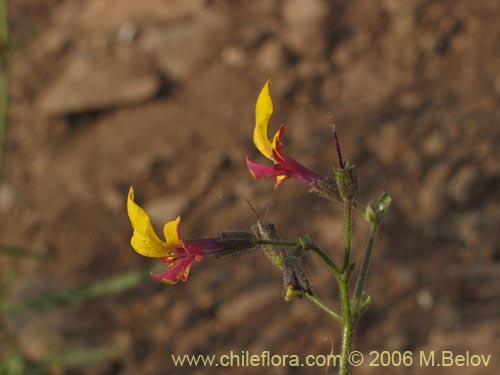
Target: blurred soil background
(160, 94)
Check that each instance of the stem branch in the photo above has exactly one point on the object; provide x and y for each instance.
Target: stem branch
(261, 241)
(335, 315)
(330, 263)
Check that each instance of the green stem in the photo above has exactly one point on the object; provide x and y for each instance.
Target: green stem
(363, 273)
(277, 242)
(4, 74)
(335, 315)
(347, 329)
(17, 252)
(347, 233)
(358, 207)
(347, 322)
(331, 264)
(49, 301)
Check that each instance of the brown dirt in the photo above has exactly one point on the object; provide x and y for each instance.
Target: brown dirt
(160, 95)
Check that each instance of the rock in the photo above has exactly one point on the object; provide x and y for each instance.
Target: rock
(464, 185)
(305, 22)
(309, 70)
(53, 42)
(431, 199)
(468, 227)
(388, 144)
(234, 56)
(424, 299)
(435, 144)
(368, 82)
(270, 57)
(105, 15)
(87, 86)
(127, 32)
(410, 101)
(7, 197)
(404, 278)
(185, 48)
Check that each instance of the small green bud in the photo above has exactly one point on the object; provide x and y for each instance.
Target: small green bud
(370, 214)
(295, 282)
(376, 212)
(383, 204)
(347, 182)
(275, 254)
(364, 304)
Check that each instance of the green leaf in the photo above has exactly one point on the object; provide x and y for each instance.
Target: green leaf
(17, 251)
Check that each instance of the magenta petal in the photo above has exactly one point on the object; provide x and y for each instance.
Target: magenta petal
(176, 271)
(292, 168)
(262, 171)
(202, 246)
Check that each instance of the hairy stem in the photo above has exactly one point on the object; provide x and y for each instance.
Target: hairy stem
(347, 323)
(347, 233)
(363, 273)
(330, 263)
(347, 326)
(261, 241)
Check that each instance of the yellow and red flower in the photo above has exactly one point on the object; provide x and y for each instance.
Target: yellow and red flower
(284, 167)
(177, 254)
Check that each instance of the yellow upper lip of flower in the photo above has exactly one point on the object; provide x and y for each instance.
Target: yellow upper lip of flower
(263, 112)
(144, 240)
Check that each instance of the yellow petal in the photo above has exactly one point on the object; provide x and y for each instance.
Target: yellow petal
(144, 240)
(279, 180)
(275, 141)
(263, 112)
(172, 234)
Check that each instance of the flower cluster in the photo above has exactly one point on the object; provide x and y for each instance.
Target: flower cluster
(340, 185)
(179, 255)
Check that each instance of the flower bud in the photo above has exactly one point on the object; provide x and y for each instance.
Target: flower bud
(235, 240)
(364, 303)
(295, 281)
(347, 182)
(275, 254)
(376, 212)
